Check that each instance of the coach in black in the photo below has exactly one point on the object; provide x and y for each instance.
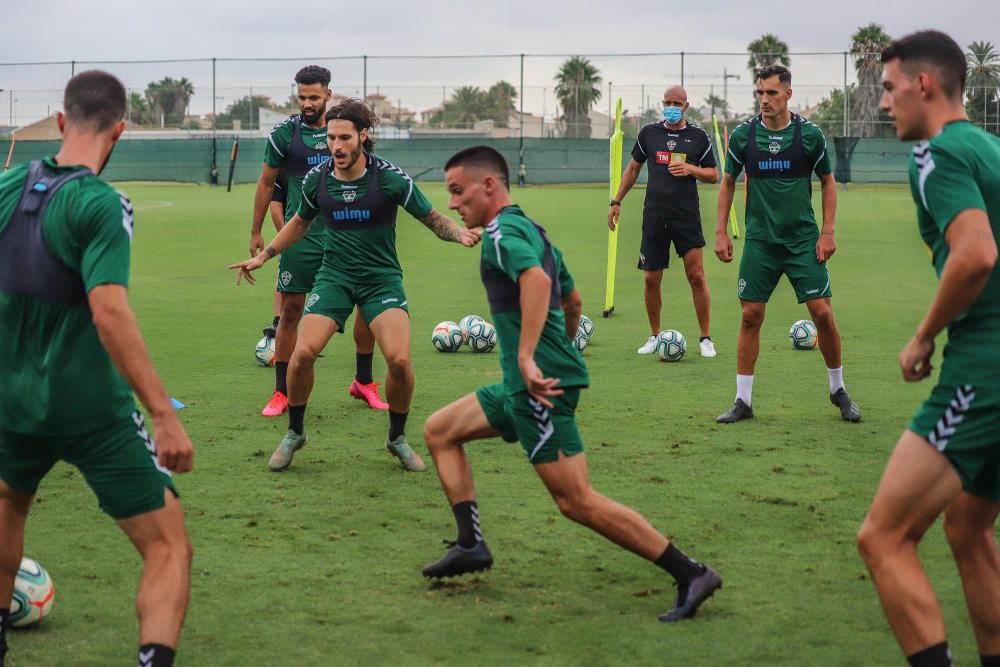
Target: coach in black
(679, 154)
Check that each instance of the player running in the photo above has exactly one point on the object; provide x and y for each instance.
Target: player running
(948, 458)
(780, 151)
(356, 196)
(71, 355)
(295, 146)
(536, 309)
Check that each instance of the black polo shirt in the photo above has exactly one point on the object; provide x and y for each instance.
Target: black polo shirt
(669, 196)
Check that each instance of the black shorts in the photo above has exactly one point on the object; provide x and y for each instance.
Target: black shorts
(659, 233)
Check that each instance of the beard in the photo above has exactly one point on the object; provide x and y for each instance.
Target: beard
(311, 116)
(353, 157)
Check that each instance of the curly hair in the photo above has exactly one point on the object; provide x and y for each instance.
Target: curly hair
(311, 74)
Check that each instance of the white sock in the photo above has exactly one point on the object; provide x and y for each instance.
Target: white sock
(836, 379)
(744, 387)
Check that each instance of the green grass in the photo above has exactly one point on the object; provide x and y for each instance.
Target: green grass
(321, 564)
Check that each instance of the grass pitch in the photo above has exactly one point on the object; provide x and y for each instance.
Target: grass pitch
(321, 564)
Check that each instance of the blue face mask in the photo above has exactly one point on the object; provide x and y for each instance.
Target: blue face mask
(673, 114)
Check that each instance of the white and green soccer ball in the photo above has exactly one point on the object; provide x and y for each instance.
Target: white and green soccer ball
(481, 337)
(586, 327)
(466, 323)
(803, 335)
(33, 594)
(580, 340)
(264, 353)
(447, 336)
(670, 345)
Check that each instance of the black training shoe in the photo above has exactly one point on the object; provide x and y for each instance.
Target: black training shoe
(460, 560)
(691, 595)
(849, 410)
(270, 331)
(738, 411)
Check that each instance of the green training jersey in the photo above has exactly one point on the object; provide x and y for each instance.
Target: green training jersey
(55, 376)
(512, 244)
(360, 247)
(958, 170)
(779, 209)
(296, 157)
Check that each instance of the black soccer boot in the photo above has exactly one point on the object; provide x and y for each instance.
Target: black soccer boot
(460, 560)
(738, 411)
(691, 595)
(849, 410)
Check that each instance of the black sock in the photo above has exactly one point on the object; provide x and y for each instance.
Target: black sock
(932, 656)
(467, 518)
(4, 618)
(364, 364)
(281, 376)
(274, 324)
(989, 660)
(156, 655)
(682, 567)
(704, 338)
(296, 415)
(397, 424)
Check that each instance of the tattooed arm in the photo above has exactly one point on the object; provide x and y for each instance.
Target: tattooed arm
(447, 229)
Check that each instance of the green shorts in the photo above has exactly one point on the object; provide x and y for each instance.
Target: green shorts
(763, 264)
(298, 265)
(118, 462)
(963, 422)
(336, 298)
(543, 433)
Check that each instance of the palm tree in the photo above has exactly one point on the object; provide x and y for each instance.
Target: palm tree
(982, 80)
(866, 47)
(578, 87)
(168, 98)
(716, 103)
(466, 106)
(766, 50)
(500, 102)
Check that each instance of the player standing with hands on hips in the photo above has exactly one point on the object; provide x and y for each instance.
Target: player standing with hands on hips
(679, 154)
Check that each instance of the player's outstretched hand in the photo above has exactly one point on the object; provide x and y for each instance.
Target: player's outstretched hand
(825, 247)
(470, 237)
(613, 213)
(174, 450)
(538, 386)
(723, 247)
(256, 244)
(915, 359)
(247, 266)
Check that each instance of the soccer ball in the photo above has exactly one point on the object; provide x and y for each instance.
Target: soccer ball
(803, 335)
(670, 345)
(586, 327)
(580, 340)
(481, 336)
(33, 594)
(447, 337)
(466, 323)
(265, 351)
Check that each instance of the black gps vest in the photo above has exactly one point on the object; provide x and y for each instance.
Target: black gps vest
(776, 163)
(26, 264)
(302, 158)
(503, 293)
(372, 211)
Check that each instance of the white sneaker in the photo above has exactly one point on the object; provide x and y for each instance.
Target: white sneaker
(707, 348)
(648, 347)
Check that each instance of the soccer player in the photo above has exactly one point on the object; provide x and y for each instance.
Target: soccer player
(678, 155)
(780, 151)
(536, 309)
(356, 196)
(70, 352)
(295, 146)
(948, 458)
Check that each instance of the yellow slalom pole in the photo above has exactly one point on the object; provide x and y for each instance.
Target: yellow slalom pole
(615, 181)
(734, 224)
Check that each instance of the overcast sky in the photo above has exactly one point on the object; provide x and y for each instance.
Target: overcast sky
(51, 30)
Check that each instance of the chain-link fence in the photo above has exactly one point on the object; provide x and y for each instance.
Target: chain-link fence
(488, 97)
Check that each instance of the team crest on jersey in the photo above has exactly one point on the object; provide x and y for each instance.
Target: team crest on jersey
(313, 298)
(349, 195)
(671, 145)
(742, 285)
(320, 145)
(286, 277)
(774, 147)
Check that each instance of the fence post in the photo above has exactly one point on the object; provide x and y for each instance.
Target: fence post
(520, 150)
(845, 93)
(72, 68)
(364, 78)
(214, 165)
(682, 69)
